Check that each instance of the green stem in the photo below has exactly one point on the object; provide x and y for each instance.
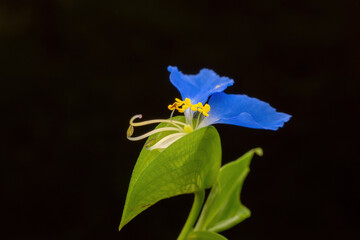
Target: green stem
(193, 215)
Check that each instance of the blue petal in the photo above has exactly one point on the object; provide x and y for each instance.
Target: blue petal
(241, 110)
(198, 87)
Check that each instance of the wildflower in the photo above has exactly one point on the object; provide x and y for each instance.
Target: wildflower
(204, 103)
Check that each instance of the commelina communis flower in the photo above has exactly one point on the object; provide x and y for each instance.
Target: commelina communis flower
(204, 103)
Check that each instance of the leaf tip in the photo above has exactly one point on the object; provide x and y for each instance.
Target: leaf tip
(258, 151)
(120, 226)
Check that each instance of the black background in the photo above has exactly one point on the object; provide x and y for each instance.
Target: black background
(73, 73)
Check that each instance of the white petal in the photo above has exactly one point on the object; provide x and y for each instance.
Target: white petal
(167, 141)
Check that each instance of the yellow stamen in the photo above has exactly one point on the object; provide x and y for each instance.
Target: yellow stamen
(181, 106)
(187, 102)
(206, 110)
(179, 101)
(181, 110)
(172, 106)
(194, 107)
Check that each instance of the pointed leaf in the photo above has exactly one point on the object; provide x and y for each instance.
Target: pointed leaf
(188, 165)
(205, 235)
(223, 208)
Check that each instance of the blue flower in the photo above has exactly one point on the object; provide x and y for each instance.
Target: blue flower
(234, 109)
(204, 103)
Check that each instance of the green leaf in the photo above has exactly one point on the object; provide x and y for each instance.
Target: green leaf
(204, 235)
(188, 165)
(223, 208)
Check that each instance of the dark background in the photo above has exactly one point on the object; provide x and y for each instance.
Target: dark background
(73, 73)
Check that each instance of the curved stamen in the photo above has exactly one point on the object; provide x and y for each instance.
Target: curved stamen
(151, 133)
(130, 131)
(173, 122)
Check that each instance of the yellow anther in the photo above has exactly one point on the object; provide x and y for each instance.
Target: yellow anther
(187, 102)
(181, 106)
(205, 114)
(194, 107)
(206, 110)
(200, 107)
(182, 109)
(178, 105)
(179, 101)
(172, 106)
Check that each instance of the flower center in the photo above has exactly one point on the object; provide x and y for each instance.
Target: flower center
(181, 106)
(188, 129)
(194, 115)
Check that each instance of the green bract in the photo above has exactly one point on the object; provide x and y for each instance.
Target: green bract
(223, 208)
(189, 165)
